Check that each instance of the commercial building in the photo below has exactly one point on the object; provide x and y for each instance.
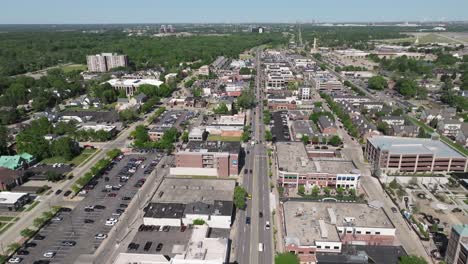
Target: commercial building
(457, 249)
(196, 245)
(321, 227)
(301, 128)
(12, 201)
(294, 167)
(10, 178)
(196, 134)
(400, 154)
(180, 201)
(326, 125)
(210, 158)
(130, 86)
(227, 126)
(15, 162)
(105, 61)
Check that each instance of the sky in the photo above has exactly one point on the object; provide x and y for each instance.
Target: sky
(223, 11)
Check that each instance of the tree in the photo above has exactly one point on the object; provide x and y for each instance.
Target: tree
(27, 232)
(411, 260)
(3, 140)
(393, 184)
(185, 136)
(268, 135)
(383, 127)
(38, 222)
(140, 136)
(315, 191)
(377, 83)
(305, 139)
(64, 147)
(222, 109)
(286, 258)
(239, 197)
(327, 191)
(352, 192)
(244, 71)
(397, 112)
(128, 115)
(339, 191)
(246, 134)
(335, 141)
(198, 222)
(409, 88)
(301, 189)
(317, 104)
(53, 176)
(13, 247)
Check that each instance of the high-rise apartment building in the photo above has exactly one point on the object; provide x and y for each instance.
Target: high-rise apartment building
(105, 61)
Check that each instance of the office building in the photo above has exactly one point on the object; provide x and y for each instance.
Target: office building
(105, 61)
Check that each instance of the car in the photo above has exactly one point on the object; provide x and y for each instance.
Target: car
(394, 210)
(183, 228)
(67, 193)
(115, 188)
(22, 252)
(133, 246)
(111, 195)
(30, 244)
(108, 186)
(88, 221)
(65, 209)
(57, 219)
(39, 237)
(106, 179)
(100, 236)
(57, 192)
(247, 220)
(99, 207)
(147, 246)
(260, 214)
(41, 261)
(15, 260)
(267, 225)
(110, 223)
(251, 171)
(122, 205)
(68, 243)
(116, 213)
(159, 247)
(49, 254)
(119, 210)
(246, 171)
(106, 190)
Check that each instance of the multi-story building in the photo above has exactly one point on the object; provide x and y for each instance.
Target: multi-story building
(295, 168)
(208, 158)
(130, 86)
(400, 154)
(305, 93)
(327, 126)
(105, 61)
(457, 249)
(311, 228)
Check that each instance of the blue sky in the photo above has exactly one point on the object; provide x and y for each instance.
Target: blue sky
(201, 11)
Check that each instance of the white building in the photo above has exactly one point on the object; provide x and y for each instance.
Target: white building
(131, 85)
(105, 61)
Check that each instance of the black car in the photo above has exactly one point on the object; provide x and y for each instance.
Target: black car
(246, 171)
(65, 209)
(166, 228)
(41, 261)
(30, 244)
(159, 247)
(67, 193)
(39, 237)
(57, 192)
(119, 210)
(106, 179)
(89, 210)
(260, 214)
(247, 220)
(68, 243)
(89, 221)
(22, 252)
(123, 205)
(251, 170)
(100, 207)
(148, 246)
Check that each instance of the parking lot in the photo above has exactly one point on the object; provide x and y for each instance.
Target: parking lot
(106, 197)
(280, 128)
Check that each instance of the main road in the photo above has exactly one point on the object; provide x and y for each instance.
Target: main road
(256, 182)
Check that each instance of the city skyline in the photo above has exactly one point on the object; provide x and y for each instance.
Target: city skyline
(210, 11)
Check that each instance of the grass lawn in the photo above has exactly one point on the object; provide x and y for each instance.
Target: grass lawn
(221, 138)
(74, 67)
(6, 218)
(34, 204)
(445, 139)
(75, 161)
(286, 258)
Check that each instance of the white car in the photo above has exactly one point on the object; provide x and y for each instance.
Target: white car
(108, 186)
(49, 254)
(15, 260)
(110, 223)
(267, 225)
(57, 219)
(100, 236)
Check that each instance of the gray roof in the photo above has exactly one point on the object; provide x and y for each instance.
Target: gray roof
(165, 210)
(404, 145)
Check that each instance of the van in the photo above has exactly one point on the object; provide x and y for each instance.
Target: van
(260, 247)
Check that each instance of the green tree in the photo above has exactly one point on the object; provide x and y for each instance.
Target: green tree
(27, 232)
(185, 136)
(53, 176)
(222, 109)
(335, 141)
(318, 104)
(377, 83)
(239, 197)
(3, 140)
(244, 71)
(315, 191)
(305, 139)
(340, 191)
(301, 189)
(140, 135)
(13, 247)
(352, 192)
(64, 147)
(394, 184)
(268, 135)
(412, 260)
(198, 222)
(128, 115)
(327, 191)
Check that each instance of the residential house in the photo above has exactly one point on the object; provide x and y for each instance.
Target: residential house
(449, 128)
(393, 120)
(462, 135)
(15, 162)
(10, 178)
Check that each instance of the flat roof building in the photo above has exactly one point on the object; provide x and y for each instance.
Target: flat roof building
(457, 249)
(12, 201)
(130, 86)
(401, 154)
(210, 158)
(312, 227)
(296, 168)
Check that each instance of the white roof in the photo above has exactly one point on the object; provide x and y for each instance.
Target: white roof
(134, 82)
(10, 197)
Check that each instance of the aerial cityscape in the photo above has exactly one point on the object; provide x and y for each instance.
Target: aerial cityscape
(198, 133)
